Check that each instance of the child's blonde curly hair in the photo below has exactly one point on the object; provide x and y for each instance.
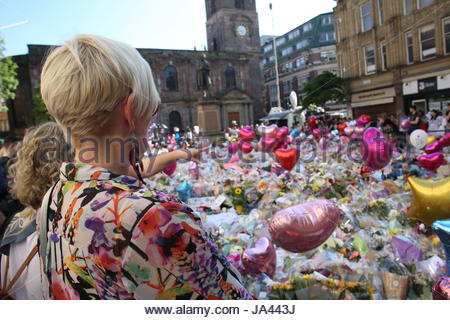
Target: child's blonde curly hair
(36, 167)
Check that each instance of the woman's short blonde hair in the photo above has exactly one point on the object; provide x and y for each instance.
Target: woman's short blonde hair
(36, 166)
(86, 78)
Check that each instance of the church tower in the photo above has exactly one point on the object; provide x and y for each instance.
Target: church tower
(232, 25)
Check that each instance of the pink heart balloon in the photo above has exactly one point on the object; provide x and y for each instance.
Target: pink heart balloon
(445, 141)
(349, 131)
(247, 134)
(432, 162)
(316, 132)
(268, 144)
(170, 169)
(246, 147)
(359, 130)
(268, 132)
(305, 226)
(282, 133)
(376, 150)
(345, 139)
(233, 148)
(361, 122)
(261, 258)
(433, 147)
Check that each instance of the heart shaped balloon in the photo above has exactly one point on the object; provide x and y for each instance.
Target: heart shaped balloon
(287, 158)
(282, 133)
(433, 147)
(362, 121)
(305, 226)
(349, 131)
(247, 134)
(432, 162)
(359, 131)
(261, 258)
(316, 132)
(233, 148)
(268, 132)
(342, 127)
(171, 147)
(445, 141)
(313, 123)
(268, 144)
(246, 147)
(170, 169)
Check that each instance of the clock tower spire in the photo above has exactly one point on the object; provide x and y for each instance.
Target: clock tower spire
(232, 25)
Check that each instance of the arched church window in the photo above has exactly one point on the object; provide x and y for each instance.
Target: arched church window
(175, 121)
(171, 78)
(239, 4)
(230, 78)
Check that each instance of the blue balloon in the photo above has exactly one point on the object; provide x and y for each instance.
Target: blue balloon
(442, 229)
(295, 133)
(185, 191)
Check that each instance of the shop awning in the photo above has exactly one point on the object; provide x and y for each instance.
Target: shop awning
(276, 116)
(372, 102)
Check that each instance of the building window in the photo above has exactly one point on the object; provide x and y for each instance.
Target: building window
(287, 51)
(307, 27)
(409, 48)
(280, 41)
(366, 17)
(301, 62)
(175, 121)
(327, 20)
(239, 4)
(328, 56)
(302, 44)
(213, 6)
(369, 56)
(446, 34)
(170, 78)
(381, 11)
(384, 64)
(268, 48)
(407, 6)
(294, 34)
(424, 3)
(327, 36)
(427, 42)
(230, 78)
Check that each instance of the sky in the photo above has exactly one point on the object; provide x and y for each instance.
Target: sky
(165, 24)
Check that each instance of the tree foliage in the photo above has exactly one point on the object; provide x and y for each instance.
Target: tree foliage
(324, 88)
(40, 112)
(8, 78)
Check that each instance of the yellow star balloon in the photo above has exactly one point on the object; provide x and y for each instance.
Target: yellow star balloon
(431, 199)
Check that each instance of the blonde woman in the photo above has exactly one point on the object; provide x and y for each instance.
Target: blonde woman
(106, 236)
(34, 170)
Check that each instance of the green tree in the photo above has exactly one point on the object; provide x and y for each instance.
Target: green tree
(40, 112)
(324, 88)
(8, 78)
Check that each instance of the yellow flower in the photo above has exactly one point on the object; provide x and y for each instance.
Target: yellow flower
(239, 209)
(306, 277)
(435, 240)
(289, 287)
(346, 200)
(238, 191)
(394, 231)
(352, 285)
(315, 187)
(407, 187)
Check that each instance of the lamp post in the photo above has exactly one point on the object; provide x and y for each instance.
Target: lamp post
(276, 60)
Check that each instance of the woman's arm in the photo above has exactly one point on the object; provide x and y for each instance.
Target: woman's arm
(416, 120)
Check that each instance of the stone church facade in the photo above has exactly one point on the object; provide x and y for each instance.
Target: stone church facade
(234, 88)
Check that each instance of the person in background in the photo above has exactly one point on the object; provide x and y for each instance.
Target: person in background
(436, 123)
(447, 116)
(423, 125)
(109, 236)
(414, 119)
(33, 171)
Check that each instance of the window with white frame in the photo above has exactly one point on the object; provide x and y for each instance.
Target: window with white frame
(380, 11)
(268, 47)
(287, 51)
(307, 27)
(327, 20)
(369, 57)
(301, 62)
(407, 6)
(366, 17)
(424, 3)
(328, 56)
(294, 34)
(384, 64)
(326, 36)
(409, 48)
(302, 44)
(446, 34)
(280, 41)
(427, 42)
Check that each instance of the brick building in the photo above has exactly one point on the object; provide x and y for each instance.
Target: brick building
(394, 54)
(303, 53)
(235, 89)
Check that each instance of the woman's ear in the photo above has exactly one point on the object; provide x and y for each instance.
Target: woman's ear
(128, 112)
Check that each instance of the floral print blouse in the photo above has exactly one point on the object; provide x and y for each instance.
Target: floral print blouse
(111, 238)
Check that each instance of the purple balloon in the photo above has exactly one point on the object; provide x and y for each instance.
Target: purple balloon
(305, 226)
(404, 124)
(361, 122)
(406, 251)
(445, 141)
(376, 149)
(441, 289)
(233, 148)
(262, 258)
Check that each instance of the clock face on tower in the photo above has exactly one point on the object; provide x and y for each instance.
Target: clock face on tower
(241, 31)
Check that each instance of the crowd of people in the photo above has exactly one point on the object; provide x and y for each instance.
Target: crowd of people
(76, 218)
